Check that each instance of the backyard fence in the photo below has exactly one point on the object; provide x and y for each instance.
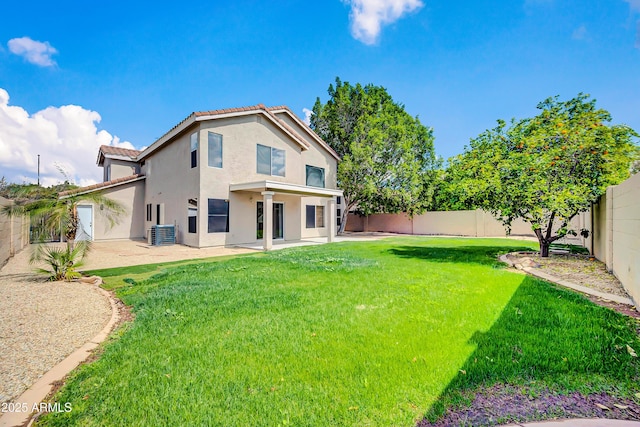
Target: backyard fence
(476, 223)
(14, 234)
(616, 233)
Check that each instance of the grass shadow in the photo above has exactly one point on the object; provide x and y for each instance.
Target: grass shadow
(482, 255)
(546, 339)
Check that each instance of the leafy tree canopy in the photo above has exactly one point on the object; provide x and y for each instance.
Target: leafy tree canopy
(388, 160)
(544, 169)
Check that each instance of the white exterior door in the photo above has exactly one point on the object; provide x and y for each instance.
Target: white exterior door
(85, 223)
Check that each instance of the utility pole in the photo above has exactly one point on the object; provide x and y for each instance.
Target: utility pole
(38, 170)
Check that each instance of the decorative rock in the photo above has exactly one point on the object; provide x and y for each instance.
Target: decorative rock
(528, 262)
(93, 280)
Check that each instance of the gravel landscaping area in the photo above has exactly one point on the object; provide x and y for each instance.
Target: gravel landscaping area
(579, 269)
(41, 323)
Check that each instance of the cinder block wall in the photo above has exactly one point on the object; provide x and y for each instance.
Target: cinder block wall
(14, 234)
(617, 233)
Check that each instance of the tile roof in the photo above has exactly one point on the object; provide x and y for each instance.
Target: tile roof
(100, 185)
(119, 151)
(252, 109)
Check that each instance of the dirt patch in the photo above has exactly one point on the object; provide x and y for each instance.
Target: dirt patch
(504, 404)
(579, 269)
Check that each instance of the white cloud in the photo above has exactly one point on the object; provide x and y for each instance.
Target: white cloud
(64, 136)
(580, 33)
(35, 52)
(634, 5)
(368, 16)
(307, 116)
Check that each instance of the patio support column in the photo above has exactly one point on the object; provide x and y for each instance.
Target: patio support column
(267, 216)
(331, 214)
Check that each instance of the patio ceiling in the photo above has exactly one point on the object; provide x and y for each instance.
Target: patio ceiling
(281, 187)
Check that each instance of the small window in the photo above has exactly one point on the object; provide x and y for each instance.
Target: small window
(192, 214)
(315, 216)
(149, 212)
(194, 150)
(218, 216)
(215, 150)
(315, 176)
(270, 161)
(338, 200)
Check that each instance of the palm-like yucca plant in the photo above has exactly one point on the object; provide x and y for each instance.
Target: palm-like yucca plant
(62, 261)
(58, 212)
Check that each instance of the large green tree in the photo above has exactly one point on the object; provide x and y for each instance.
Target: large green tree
(387, 157)
(545, 169)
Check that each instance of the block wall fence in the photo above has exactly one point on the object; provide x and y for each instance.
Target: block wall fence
(14, 234)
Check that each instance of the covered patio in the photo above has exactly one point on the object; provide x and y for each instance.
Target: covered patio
(267, 189)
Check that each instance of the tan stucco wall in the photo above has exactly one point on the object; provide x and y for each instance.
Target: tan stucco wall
(316, 155)
(454, 223)
(302, 217)
(171, 181)
(119, 169)
(130, 224)
(617, 233)
(14, 234)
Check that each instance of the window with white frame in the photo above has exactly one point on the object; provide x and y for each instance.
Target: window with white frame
(218, 221)
(315, 176)
(315, 216)
(194, 149)
(192, 215)
(215, 150)
(270, 161)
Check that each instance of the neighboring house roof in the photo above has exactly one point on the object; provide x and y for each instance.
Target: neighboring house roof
(118, 153)
(102, 185)
(268, 113)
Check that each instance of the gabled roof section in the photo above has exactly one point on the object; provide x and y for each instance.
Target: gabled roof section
(260, 109)
(118, 153)
(102, 185)
(284, 109)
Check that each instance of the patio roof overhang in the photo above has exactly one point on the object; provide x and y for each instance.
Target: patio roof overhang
(285, 188)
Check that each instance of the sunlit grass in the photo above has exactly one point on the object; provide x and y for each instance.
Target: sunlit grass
(368, 333)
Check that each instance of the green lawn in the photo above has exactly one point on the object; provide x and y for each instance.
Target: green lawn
(358, 333)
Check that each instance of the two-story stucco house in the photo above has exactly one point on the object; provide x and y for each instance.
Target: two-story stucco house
(223, 177)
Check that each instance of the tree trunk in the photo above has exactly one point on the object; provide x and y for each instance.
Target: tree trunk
(544, 243)
(72, 228)
(544, 249)
(344, 215)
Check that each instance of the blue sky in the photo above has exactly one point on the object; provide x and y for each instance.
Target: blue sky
(74, 76)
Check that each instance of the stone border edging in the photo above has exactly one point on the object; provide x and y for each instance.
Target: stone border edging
(41, 389)
(566, 283)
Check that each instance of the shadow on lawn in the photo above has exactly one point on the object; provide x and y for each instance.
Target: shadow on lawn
(484, 255)
(548, 342)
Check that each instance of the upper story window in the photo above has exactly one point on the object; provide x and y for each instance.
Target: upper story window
(194, 149)
(215, 150)
(315, 176)
(270, 161)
